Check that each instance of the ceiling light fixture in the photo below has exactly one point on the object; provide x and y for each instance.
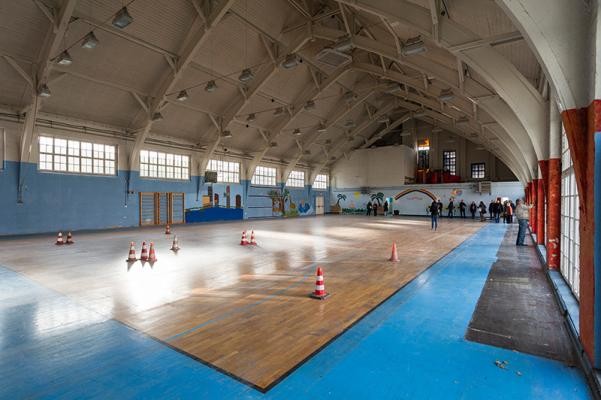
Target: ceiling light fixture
(251, 117)
(182, 96)
(307, 152)
(122, 18)
(322, 128)
(157, 116)
(343, 45)
(64, 58)
(211, 86)
(291, 61)
(349, 96)
(273, 144)
(413, 46)
(436, 129)
(278, 111)
(246, 75)
(349, 123)
(419, 114)
(44, 91)
(405, 134)
(226, 134)
(297, 132)
(383, 120)
(310, 105)
(446, 95)
(90, 41)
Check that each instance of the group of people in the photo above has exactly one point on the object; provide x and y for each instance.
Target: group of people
(496, 209)
(374, 207)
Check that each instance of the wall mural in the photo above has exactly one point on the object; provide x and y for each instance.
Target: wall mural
(282, 204)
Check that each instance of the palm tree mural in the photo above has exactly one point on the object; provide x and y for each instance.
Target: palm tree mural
(276, 201)
(379, 197)
(340, 197)
(285, 198)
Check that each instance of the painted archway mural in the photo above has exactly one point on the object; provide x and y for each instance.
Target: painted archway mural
(424, 191)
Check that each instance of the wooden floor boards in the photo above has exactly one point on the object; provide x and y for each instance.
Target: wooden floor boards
(244, 310)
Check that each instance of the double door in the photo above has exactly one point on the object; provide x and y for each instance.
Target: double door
(161, 208)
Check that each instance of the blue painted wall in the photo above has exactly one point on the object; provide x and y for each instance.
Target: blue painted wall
(54, 201)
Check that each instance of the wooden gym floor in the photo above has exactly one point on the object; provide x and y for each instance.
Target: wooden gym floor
(242, 310)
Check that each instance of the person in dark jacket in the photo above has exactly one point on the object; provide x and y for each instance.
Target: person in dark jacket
(451, 208)
(491, 209)
(482, 207)
(386, 208)
(473, 209)
(498, 209)
(375, 208)
(369, 208)
(440, 207)
(462, 207)
(434, 213)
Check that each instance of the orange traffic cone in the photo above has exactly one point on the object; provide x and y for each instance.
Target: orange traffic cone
(132, 253)
(59, 239)
(252, 238)
(70, 238)
(152, 257)
(394, 257)
(144, 255)
(243, 241)
(320, 288)
(175, 245)
(167, 230)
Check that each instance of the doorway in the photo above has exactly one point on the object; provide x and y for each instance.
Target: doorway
(319, 207)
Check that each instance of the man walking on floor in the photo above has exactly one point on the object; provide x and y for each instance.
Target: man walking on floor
(434, 212)
(522, 212)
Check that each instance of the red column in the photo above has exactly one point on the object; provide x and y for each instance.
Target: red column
(540, 212)
(533, 211)
(580, 125)
(553, 189)
(530, 200)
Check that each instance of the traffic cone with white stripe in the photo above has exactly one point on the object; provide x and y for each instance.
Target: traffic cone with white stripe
(320, 288)
(70, 238)
(59, 239)
(132, 253)
(243, 241)
(394, 257)
(252, 238)
(152, 257)
(144, 255)
(175, 245)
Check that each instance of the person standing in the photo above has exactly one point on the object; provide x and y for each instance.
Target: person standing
(434, 213)
(439, 207)
(462, 207)
(509, 212)
(491, 209)
(375, 208)
(386, 208)
(368, 208)
(451, 209)
(482, 211)
(522, 212)
(498, 208)
(473, 208)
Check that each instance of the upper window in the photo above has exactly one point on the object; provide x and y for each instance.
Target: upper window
(227, 171)
(264, 176)
(449, 161)
(478, 171)
(321, 182)
(154, 164)
(296, 179)
(62, 155)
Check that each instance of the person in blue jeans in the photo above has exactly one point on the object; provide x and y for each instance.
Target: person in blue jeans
(434, 213)
(522, 212)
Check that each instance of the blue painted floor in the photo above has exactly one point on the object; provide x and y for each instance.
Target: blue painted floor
(411, 347)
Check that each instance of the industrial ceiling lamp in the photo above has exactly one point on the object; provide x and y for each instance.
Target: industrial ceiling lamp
(251, 117)
(157, 116)
(405, 133)
(273, 144)
(383, 119)
(211, 86)
(90, 41)
(413, 46)
(246, 75)
(349, 96)
(226, 134)
(446, 95)
(64, 58)
(182, 96)
(322, 128)
(44, 91)
(349, 123)
(278, 111)
(122, 18)
(344, 45)
(296, 132)
(419, 114)
(310, 105)
(436, 129)
(291, 61)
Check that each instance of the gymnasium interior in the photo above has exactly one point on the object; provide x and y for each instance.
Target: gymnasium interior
(294, 199)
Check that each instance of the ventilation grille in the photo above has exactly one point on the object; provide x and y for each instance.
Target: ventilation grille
(485, 187)
(333, 58)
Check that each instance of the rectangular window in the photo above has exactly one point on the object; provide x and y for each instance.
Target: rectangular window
(449, 161)
(265, 176)
(321, 182)
(62, 155)
(296, 179)
(478, 171)
(227, 171)
(155, 164)
(570, 222)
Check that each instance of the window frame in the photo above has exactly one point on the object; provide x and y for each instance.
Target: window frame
(293, 177)
(478, 164)
(164, 166)
(263, 176)
(447, 157)
(69, 155)
(223, 172)
(325, 181)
